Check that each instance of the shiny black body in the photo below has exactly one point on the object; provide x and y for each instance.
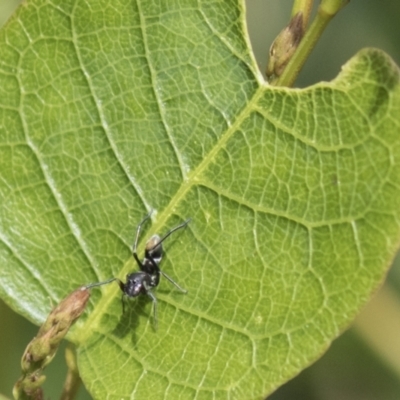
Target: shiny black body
(143, 281)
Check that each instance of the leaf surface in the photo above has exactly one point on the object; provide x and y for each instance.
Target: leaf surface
(110, 109)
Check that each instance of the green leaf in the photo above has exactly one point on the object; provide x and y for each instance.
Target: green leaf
(110, 109)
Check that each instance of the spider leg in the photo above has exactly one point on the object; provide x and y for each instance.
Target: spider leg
(90, 285)
(154, 299)
(180, 226)
(138, 229)
(173, 282)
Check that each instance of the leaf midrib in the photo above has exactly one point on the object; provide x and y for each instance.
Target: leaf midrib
(84, 331)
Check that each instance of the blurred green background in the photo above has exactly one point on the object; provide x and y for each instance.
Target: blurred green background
(364, 363)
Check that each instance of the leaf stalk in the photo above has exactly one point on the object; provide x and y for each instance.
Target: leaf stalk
(326, 11)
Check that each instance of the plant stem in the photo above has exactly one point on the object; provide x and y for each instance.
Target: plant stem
(303, 6)
(73, 380)
(326, 11)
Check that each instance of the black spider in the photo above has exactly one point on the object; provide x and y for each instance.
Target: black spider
(143, 281)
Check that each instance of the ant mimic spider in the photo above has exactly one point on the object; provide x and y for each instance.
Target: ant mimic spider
(143, 281)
